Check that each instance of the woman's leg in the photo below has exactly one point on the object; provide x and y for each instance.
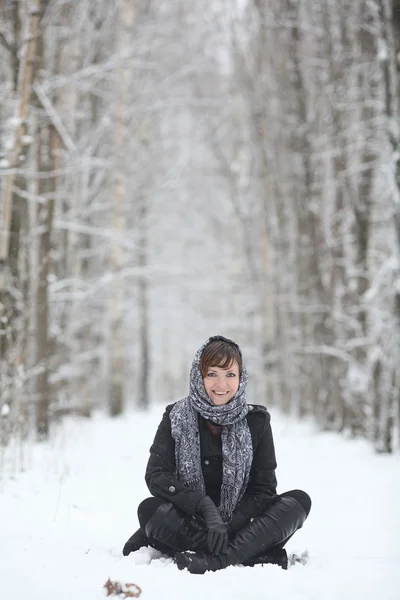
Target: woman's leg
(302, 498)
(146, 510)
(266, 532)
(165, 528)
(277, 555)
(170, 530)
(139, 539)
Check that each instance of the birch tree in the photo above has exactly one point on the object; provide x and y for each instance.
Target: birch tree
(119, 208)
(14, 274)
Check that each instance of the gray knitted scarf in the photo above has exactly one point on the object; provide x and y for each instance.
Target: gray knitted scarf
(237, 449)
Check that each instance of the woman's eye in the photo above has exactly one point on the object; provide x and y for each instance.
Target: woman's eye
(210, 374)
(231, 374)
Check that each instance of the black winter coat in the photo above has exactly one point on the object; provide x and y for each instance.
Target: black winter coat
(261, 488)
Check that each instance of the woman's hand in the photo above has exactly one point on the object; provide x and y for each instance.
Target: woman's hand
(217, 531)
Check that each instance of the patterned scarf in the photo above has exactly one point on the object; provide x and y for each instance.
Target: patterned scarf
(237, 448)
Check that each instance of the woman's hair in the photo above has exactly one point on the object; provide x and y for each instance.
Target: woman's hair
(220, 353)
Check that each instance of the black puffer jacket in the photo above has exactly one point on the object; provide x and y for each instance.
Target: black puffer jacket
(261, 489)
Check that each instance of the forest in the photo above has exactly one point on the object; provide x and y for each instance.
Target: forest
(175, 170)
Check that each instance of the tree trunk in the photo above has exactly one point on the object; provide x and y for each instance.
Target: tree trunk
(18, 150)
(116, 308)
(47, 163)
(49, 142)
(387, 406)
(143, 391)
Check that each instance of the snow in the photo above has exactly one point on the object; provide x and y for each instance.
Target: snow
(4, 410)
(64, 520)
(383, 54)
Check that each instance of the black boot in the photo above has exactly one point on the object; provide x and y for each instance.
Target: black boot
(136, 541)
(276, 556)
(170, 530)
(265, 532)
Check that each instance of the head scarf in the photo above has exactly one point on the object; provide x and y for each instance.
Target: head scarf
(237, 449)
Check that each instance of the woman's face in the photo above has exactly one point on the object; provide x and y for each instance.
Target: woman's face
(222, 384)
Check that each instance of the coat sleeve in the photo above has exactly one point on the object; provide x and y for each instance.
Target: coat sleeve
(261, 489)
(160, 477)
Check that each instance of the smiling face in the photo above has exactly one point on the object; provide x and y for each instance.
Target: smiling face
(222, 384)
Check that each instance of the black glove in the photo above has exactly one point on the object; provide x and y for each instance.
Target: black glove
(199, 541)
(217, 532)
(197, 532)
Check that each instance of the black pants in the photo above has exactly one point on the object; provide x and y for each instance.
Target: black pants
(149, 506)
(303, 499)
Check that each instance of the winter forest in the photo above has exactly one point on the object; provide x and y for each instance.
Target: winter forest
(174, 170)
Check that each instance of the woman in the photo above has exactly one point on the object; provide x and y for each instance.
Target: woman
(211, 472)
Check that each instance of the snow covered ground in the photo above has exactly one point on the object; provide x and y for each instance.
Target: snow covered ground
(63, 521)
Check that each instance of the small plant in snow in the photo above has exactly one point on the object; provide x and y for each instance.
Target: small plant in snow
(125, 590)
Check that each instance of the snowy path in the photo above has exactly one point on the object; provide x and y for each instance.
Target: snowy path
(64, 521)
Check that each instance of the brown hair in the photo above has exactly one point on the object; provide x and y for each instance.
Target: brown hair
(220, 353)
